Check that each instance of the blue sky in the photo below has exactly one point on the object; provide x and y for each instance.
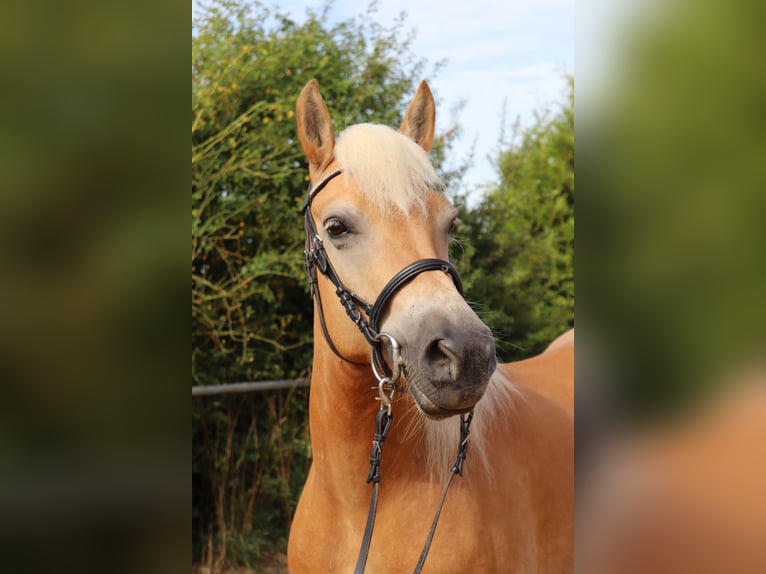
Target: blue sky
(516, 52)
(512, 51)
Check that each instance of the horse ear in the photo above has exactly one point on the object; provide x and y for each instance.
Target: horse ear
(314, 127)
(419, 120)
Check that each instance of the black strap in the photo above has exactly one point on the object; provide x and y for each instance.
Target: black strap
(400, 280)
(316, 257)
(405, 276)
(312, 191)
(364, 551)
(328, 338)
(382, 426)
(457, 469)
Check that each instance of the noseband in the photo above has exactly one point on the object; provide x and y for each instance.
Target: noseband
(316, 258)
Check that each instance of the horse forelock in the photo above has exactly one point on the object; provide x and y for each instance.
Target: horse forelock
(439, 439)
(387, 166)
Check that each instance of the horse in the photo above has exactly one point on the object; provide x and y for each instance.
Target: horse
(416, 372)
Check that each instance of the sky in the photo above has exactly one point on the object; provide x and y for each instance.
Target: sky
(512, 52)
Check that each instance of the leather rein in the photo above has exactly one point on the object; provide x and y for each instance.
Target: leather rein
(356, 308)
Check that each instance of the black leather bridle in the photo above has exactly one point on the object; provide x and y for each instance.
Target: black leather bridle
(355, 306)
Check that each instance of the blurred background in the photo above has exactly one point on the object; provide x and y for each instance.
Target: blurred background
(93, 301)
(670, 131)
(670, 407)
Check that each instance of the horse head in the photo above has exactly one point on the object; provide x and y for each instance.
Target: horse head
(380, 211)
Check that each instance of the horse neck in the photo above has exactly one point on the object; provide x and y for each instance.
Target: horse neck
(342, 411)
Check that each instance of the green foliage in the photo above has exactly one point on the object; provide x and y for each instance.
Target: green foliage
(676, 183)
(518, 243)
(250, 462)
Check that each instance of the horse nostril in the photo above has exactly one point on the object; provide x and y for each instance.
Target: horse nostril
(443, 358)
(448, 359)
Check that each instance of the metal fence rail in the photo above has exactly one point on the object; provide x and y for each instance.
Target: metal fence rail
(230, 388)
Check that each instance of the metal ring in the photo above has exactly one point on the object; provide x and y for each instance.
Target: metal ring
(373, 361)
(396, 359)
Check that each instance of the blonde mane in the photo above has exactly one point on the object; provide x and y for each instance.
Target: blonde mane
(390, 168)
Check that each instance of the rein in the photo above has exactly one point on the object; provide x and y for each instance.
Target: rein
(316, 258)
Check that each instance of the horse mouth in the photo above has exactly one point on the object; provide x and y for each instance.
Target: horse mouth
(433, 411)
(440, 400)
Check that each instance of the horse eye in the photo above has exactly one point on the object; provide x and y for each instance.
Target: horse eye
(336, 229)
(452, 226)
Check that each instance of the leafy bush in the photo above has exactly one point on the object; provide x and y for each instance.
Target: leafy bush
(518, 243)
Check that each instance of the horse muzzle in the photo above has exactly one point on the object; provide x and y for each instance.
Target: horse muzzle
(449, 372)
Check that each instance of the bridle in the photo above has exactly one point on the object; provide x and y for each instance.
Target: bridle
(316, 258)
